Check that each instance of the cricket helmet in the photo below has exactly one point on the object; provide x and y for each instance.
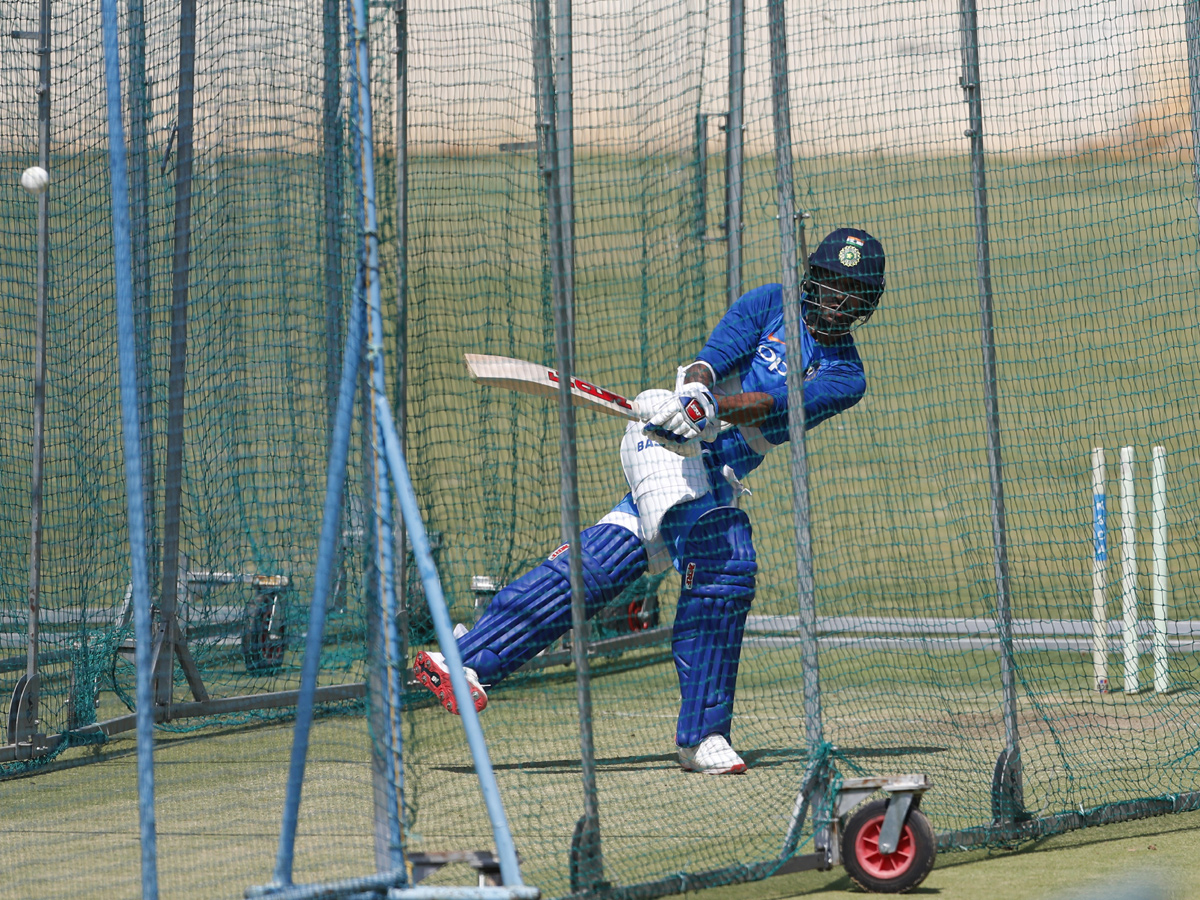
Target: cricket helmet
(844, 284)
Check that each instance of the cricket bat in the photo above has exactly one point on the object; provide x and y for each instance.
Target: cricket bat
(542, 381)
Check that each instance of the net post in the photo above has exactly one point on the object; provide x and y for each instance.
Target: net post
(384, 699)
(550, 160)
(734, 139)
(970, 81)
(565, 140)
(331, 185)
(39, 378)
(1099, 573)
(1129, 606)
(397, 469)
(132, 450)
(139, 200)
(1192, 30)
(180, 274)
(1158, 579)
(785, 186)
(331, 514)
(400, 378)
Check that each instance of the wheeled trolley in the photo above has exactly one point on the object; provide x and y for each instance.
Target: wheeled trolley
(887, 845)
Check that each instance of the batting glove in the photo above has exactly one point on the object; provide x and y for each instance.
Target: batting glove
(689, 415)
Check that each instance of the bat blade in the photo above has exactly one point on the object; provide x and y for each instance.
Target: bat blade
(531, 378)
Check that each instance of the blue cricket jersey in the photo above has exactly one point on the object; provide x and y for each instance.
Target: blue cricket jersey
(748, 353)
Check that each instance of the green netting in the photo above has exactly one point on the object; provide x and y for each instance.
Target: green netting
(1088, 128)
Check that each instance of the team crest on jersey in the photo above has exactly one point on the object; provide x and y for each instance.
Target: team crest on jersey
(849, 256)
(557, 553)
(689, 576)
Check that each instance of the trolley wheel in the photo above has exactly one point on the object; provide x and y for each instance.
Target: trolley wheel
(262, 645)
(891, 873)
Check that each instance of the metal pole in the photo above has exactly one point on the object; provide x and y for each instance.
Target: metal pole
(1192, 29)
(181, 260)
(386, 702)
(510, 870)
(564, 120)
(331, 516)
(132, 445)
(589, 852)
(139, 199)
(331, 165)
(39, 370)
(805, 589)
(400, 379)
(970, 84)
(733, 156)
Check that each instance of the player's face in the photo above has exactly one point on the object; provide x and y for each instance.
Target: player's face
(833, 305)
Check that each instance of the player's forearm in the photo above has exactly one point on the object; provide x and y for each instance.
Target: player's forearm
(738, 409)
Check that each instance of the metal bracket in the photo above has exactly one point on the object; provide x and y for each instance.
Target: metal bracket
(585, 861)
(482, 861)
(1008, 793)
(893, 820)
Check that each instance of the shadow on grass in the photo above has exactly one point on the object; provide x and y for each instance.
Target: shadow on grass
(756, 759)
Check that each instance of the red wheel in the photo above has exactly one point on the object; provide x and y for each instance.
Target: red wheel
(887, 873)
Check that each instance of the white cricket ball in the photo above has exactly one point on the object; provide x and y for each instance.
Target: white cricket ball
(35, 179)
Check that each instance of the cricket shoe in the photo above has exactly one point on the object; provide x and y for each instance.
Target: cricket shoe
(712, 756)
(429, 669)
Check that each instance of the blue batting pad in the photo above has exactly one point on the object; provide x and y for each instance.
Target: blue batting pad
(716, 589)
(535, 610)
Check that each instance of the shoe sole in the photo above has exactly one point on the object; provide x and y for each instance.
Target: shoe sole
(737, 769)
(437, 680)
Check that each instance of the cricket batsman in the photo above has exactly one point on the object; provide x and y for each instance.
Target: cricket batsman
(684, 465)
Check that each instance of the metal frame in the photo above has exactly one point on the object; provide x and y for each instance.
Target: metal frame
(132, 445)
(24, 720)
(1191, 17)
(1010, 758)
(552, 90)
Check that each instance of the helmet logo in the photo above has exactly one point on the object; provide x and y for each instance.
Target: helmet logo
(849, 256)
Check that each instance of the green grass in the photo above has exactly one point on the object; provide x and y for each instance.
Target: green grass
(1094, 275)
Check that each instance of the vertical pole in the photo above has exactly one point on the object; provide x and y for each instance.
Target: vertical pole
(132, 446)
(139, 200)
(1129, 608)
(510, 870)
(789, 266)
(331, 172)
(331, 516)
(1099, 573)
(385, 702)
(39, 369)
(564, 120)
(1192, 29)
(180, 272)
(588, 831)
(733, 156)
(1158, 578)
(971, 86)
(400, 383)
